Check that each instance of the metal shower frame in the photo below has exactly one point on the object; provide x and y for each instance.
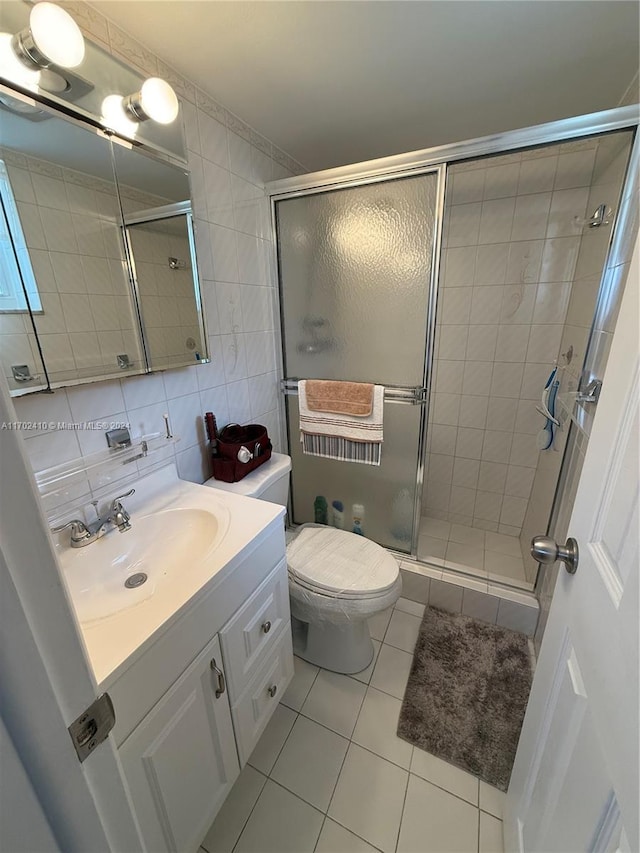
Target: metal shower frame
(438, 159)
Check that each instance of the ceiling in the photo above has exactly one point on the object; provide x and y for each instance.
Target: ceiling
(339, 82)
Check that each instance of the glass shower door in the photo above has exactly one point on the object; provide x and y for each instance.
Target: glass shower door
(354, 269)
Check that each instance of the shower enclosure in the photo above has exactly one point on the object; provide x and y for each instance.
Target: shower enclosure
(457, 279)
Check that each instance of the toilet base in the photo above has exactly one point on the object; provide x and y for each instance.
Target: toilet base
(344, 647)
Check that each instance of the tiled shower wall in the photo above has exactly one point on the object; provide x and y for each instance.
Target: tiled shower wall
(612, 155)
(510, 247)
(166, 294)
(229, 165)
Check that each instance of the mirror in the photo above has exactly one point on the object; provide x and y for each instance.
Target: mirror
(159, 231)
(84, 294)
(71, 262)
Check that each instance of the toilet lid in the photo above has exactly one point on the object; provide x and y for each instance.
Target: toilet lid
(342, 564)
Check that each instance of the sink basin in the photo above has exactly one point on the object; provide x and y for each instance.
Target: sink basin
(158, 549)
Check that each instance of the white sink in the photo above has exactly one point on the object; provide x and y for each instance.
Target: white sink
(165, 546)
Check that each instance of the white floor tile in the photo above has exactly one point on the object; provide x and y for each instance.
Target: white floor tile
(467, 535)
(392, 671)
(490, 834)
(310, 763)
(280, 823)
(403, 631)
(272, 739)
(445, 775)
(368, 798)
(503, 544)
(434, 527)
(334, 701)
(491, 799)
(233, 815)
(336, 839)
(504, 564)
(377, 725)
(415, 608)
(465, 555)
(300, 685)
(378, 624)
(431, 548)
(365, 674)
(435, 821)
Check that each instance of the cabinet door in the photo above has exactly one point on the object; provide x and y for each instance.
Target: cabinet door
(181, 761)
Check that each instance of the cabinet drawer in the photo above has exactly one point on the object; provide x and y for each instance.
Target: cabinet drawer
(253, 710)
(251, 633)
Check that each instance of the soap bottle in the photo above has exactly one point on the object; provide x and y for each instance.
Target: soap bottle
(321, 510)
(357, 514)
(337, 514)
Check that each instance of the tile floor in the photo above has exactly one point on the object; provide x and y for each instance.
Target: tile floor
(330, 774)
(475, 551)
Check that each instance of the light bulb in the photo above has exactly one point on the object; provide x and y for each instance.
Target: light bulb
(12, 69)
(158, 100)
(56, 37)
(115, 117)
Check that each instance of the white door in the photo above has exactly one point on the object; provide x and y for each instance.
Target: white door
(45, 678)
(574, 785)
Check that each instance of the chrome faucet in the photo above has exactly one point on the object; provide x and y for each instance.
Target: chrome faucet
(84, 534)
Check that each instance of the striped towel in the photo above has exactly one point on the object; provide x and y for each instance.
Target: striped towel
(346, 438)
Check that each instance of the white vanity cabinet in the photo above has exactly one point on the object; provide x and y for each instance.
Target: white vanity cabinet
(191, 707)
(180, 761)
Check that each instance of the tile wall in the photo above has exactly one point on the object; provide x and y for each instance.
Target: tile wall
(510, 252)
(166, 294)
(605, 188)
(70, 222)
(229, 164)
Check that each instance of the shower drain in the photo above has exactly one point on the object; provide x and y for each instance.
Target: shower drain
(135, 580)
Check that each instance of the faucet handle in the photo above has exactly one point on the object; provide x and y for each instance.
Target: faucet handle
(76, 522)
(125, 495)
(79, 529)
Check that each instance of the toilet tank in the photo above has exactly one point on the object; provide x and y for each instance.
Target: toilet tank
(269, 482)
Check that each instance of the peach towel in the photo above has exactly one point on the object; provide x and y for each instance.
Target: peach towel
(340, 398)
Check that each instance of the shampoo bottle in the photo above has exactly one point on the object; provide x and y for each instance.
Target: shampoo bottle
(321, 510)
(357, 513)
(337, 514)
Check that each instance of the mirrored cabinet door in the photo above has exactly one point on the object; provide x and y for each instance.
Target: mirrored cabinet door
(69, 251)
(159, 228)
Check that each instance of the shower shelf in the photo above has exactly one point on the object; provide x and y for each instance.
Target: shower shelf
(59, 477)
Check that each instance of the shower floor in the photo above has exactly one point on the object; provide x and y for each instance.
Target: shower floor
(473, 551)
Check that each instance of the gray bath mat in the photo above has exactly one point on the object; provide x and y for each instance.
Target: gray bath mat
(467, 693)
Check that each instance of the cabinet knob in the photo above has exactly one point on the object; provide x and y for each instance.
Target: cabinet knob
(272, 690)
(220, 676)
(266, 627)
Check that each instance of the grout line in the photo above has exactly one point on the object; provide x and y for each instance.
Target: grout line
(404, 803)
(251, 810)
(297, 713)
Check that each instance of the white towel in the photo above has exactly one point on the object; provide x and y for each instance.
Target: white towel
(342, 437)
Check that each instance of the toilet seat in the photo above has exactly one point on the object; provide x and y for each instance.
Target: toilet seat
(337, 564)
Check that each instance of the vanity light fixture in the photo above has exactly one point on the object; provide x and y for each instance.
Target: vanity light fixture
(12, 69)
(52, 38)
(156, 100)
(116, 118)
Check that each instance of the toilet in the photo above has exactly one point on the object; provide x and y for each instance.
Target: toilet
(337, 580)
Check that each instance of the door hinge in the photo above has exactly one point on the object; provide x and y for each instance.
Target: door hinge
(93, 726)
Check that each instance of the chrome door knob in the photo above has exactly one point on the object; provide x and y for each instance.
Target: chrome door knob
(546, 550)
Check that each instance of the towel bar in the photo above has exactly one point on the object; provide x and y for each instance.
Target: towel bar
(407, 394)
